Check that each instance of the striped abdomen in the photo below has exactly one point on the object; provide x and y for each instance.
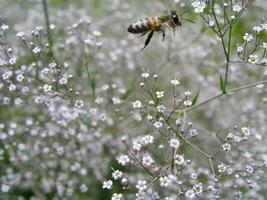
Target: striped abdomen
(144, 25)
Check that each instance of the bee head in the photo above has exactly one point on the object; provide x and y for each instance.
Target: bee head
(176, 18)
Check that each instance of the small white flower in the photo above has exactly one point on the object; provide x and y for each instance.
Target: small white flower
(123, 159)
(174, 143)
(248, 37)
(188, 102)
(63, 81)
(264, 45)
(157, 124)
(47, 88)
(179, 159)
(198, 6)
(159, 94)
(253, 58)
(12, 61)
(117, 175)
(147, 160)
(79, 103)
(36, 50)
(198, 188)
(141, 185)
(4, 27)
(237, 8)
(148, 139)
(145, 75)
(96, 33)
(257, 29)
(164, 181)
(190, 194)
(161, 108)
(117, 196)
(193, 132)
(175, 82)
(19, 77)
(245, 131)
(187, 93)
(222, 168)
(149, 117)
(83, 188)
(12, 87)
(226, 147)
(4, 188)
(107, 184)
(211, 23)
(264, 61)
(20, 34)
(137, 104)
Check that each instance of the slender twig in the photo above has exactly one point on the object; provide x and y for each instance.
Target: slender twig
(47, 23)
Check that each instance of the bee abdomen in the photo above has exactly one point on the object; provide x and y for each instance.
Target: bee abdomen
(140, 26)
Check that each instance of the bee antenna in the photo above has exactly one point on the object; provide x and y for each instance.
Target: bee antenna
(189, 20)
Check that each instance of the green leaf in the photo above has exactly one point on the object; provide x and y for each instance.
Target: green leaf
(194, 100)
(222, 83)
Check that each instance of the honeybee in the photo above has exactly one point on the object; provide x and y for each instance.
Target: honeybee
(168, 19)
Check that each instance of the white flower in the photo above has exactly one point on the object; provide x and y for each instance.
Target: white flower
(175, 82)
(4, 188)
(147, 160)
(221, 168)
(174, 143)
(12, 87)
(19, 77)
(47, 88)
(12, 61)
(257, 29)
(187, 93)
(145, 75)
(159, 94)
(36, 50)
(245, 131)
(123, 159)
(253, 58)
(164, 181)
(83, 188)
(117, 175)
(4, 27)
(141, 185)
(137, 104)
(96, 33)
(107, 184)
(193, 132)
(264, 45)
(63, 81)
(248, 37)
(116, 100)
(188, 102)
(161, 108)
(198, 6)
(157, 124)
(190, 194)
(179, 159)
(249, 169)
(226, 147)
(148, 139)
(198, 188)
(149, 117)
(116, 196)
(20, 34)
(137, 146)
(79, 103)
(237, 8)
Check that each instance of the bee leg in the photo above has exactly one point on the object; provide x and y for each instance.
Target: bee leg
(142, 34)
(148, 39)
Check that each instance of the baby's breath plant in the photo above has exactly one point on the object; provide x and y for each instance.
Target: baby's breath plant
(84, 114)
